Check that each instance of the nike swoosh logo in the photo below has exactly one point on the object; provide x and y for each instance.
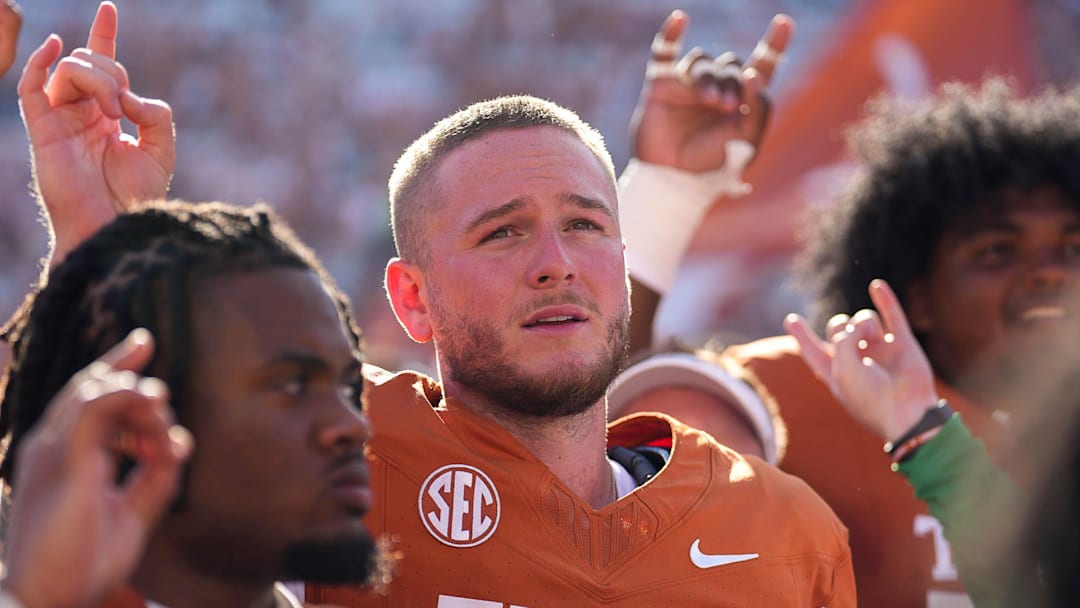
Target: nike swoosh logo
(703, 561)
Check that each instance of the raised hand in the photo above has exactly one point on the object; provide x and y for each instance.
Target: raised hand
(690, 108)
(86, 169)
(873, 364)
(74, 533)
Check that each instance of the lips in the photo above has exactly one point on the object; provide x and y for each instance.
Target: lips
(555, 316)
(1049, 306)
(349, 484)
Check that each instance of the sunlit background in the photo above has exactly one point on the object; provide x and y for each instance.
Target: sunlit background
(305, 104)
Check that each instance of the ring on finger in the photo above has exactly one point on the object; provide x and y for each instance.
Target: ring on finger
(661, 69)
(719, 71)
(663, 46)
(764, 52)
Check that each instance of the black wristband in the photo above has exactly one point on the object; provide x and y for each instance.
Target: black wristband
(936, 415)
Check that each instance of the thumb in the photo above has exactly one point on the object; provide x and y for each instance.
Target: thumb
(812, 348)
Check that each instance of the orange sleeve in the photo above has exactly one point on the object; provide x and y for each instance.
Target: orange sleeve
(844, 594)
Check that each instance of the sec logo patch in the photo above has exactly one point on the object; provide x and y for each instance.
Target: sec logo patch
(459, 505)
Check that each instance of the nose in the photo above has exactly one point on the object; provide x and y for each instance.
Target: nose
(1047, 270)
(553, 262)
(348, 428)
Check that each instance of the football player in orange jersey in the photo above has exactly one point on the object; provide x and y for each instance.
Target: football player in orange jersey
(505, 486)
(1011, 547)
(277, 485)
(506, 491)
(965, 205)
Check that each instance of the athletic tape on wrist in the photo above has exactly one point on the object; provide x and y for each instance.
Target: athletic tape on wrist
(660, 209)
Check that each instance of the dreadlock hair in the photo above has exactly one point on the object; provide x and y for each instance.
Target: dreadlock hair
(140, 270)
(926, 165)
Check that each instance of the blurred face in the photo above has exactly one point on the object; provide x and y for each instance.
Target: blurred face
(526, 293)
(1000, 302)
(278, 482)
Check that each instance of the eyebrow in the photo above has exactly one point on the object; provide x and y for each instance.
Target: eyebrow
(983, 226)
(506, 209)
(585, 202)
(491, 214)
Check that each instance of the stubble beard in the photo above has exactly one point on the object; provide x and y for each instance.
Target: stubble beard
(476, 360)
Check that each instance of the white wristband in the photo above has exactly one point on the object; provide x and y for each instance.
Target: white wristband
(660, 209)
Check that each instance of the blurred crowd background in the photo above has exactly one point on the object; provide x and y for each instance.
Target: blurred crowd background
(305, 105)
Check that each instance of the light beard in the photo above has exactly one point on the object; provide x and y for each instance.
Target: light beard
(477, 361)
(351, 559)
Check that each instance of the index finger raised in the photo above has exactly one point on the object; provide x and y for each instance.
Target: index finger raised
(102, 37)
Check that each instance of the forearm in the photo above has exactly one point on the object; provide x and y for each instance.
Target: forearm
(660, 210)
(968, 494)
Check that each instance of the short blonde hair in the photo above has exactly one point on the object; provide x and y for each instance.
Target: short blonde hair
(411, 185)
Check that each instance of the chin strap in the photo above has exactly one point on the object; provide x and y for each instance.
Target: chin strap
(642, 462)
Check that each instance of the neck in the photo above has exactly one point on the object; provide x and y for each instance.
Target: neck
(573, 447)
(167, 578)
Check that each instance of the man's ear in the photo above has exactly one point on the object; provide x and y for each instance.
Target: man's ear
(917, 307)
(405, 288)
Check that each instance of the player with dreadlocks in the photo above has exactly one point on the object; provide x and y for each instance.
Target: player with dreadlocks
(277, 485)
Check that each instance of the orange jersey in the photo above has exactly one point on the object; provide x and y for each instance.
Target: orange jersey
(900, 556)
(479, 521)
